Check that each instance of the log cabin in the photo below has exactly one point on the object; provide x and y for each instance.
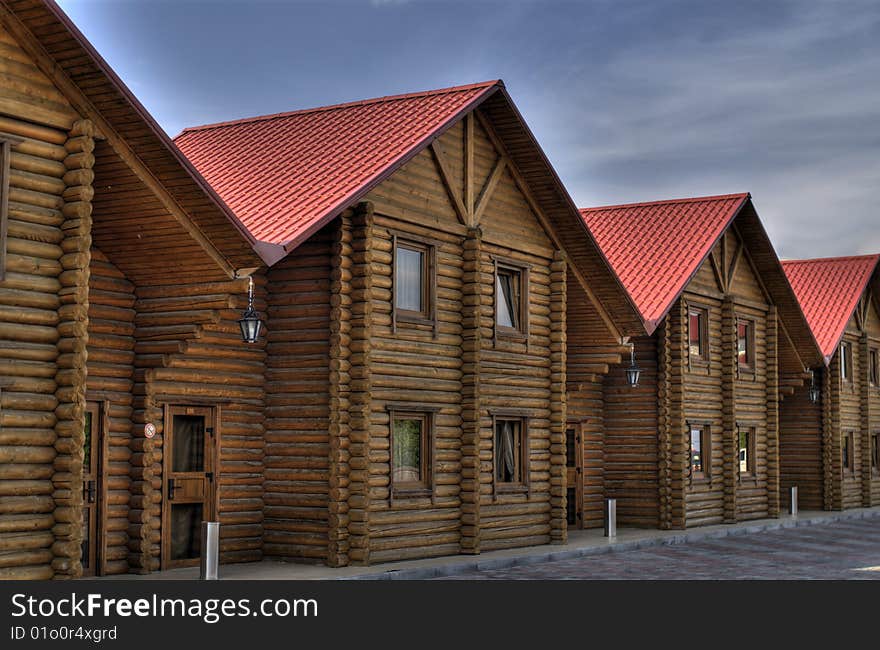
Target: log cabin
(829, 440)
(696, 442)
(122, 374)
(416, 356)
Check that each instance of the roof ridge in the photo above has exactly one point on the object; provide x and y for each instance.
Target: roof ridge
(841, 258)
(332, 107)
(693, 199)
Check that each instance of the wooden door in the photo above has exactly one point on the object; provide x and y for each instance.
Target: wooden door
(93, 492)
(574, 458)
(189, 466)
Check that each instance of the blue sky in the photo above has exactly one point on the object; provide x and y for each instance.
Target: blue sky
(631, 101)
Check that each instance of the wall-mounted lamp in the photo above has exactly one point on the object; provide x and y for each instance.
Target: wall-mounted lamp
(250, 322)
(633, 372)
(815, 393)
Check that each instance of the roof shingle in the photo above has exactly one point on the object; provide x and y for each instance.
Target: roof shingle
(655, 248)
(828, 290)
(285, 175)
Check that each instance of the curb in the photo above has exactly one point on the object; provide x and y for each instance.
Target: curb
(526, 559)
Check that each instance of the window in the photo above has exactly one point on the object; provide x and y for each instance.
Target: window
(511, 299)
(745, 344)
(697, 327)
(875, 452)
(410, 450)
(873, 366)
(413, 280)
(746, 441)
(6, 144)
(846, 361)
(848, 451)
(700, 446)
(511, 452)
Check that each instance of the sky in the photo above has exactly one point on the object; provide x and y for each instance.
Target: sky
(631, 101)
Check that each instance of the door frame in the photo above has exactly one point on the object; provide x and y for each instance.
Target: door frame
(578, 426)
(212, 462)
(97, 528)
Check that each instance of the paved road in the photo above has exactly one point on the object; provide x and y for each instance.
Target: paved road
(843, 550)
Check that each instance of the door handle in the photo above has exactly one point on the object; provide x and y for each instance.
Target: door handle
(171, 489)
(209, 476)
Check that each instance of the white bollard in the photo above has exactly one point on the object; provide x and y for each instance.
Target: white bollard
(793, 505)
(210, 561)
(611, 518)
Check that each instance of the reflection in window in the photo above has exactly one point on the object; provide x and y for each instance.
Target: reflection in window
(699, 452)
(697, 333)
(746, 451)
(846, 361)
(408, 436)
(744, 343)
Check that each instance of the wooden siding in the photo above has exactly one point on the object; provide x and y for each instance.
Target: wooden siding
(297, 481)
(800, 448)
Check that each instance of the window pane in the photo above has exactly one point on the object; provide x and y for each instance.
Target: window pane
(508, 441)
(507, 295)
(846, 451)
(409, 278)
(188, 453)
(742, 344)
(407, 453)
(744, 444)
(695, 339)
(875, 451)
(696, 450)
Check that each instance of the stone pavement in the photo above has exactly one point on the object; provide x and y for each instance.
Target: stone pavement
(843, 550)
(634, 553)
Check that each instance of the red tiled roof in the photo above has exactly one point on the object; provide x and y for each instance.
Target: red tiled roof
(829, 290)
(286, 175)
(655, 248)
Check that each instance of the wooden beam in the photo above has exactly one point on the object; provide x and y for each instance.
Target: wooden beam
(734, 263)
(716, 270)
(489, 188)
(469, 168)
(83, 106)
(446, 177)
(545, 224)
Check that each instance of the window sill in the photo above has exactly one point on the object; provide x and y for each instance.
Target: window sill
(702, 480)
(411, 492)
(509, 334)
(412, 318)
(511, 488)
(699, 365)
(746, 373)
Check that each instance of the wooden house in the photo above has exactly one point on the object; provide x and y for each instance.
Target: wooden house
(415, 380)
(829, 441)
(697, 442)
(129, 407)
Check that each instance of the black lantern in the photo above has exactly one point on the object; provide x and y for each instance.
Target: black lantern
(250, 322)
(633, 372)
(815, 393)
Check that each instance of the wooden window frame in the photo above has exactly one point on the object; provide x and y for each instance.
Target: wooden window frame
(749, 367)
(520, 333)
(702, 359)
(751, 429)
(428, 316)
(848, 453)
(846, 362)
(524, 485)
(427, 413)
(705, 430)
(873, 367)
(7, 141)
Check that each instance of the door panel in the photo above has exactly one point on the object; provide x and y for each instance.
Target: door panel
(92, 486)
(190, 441)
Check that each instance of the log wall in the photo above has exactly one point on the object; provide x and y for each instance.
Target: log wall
(109, 382)
(297, 474)
(42, 320)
